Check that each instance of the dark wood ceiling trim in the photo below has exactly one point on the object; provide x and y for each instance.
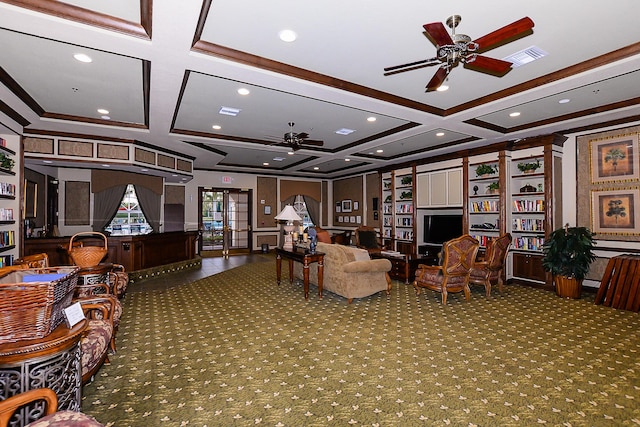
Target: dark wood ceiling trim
(300, 73)
(377, 136)
(13, 114)
(89, 17)
(601, 125)
(146, 89)
(571, 116)
(598, 61)
(72, 118)
(18, 91)
(183, 87)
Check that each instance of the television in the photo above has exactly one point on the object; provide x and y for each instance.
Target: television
(440, 228)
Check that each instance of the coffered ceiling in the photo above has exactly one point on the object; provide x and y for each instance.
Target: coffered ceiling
(165, 70)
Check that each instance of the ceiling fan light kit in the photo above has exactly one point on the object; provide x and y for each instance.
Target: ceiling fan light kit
(453, 49)
(297, 140)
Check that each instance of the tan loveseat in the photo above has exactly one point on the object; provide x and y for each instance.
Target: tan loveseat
(349, 272)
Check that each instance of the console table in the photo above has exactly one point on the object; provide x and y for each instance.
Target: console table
(52, 361)
(303, 256)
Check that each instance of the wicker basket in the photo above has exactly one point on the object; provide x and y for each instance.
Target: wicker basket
(32, 301)
(87, 256)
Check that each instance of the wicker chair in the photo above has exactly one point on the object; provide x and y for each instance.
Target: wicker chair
(40, 260)
(452, 275)
(96, 342)
(51, 416)
(489, 271)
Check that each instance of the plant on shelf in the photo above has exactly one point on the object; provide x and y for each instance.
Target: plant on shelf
(568, 254)
(406, 195)
(406, 180)
(493, 187)
(388, 199)
(6, 162)
(529, 167)
(483, 169)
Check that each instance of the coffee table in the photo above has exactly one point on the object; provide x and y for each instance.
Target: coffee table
(303, 256)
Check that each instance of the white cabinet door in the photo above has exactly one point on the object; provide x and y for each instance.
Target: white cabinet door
(439, 189)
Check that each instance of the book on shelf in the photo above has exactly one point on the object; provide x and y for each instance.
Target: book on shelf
(526, 205)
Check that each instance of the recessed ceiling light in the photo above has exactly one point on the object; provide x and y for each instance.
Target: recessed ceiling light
(265, 163)
(315, 168)
(47, 161)
(103, 111)
(287, 35)
(83, 57)
(347, 160)
(291, 153)
(243, 91)
(106, 166)
(105, 117)
(371, 119)
(345, 131)
(144, 170)
(514, 114)
(564, 101)
(278, 159)
(440, 134)
(442, 88)
(379, 151)
(216, 127)
(229, 111)
(173, 174)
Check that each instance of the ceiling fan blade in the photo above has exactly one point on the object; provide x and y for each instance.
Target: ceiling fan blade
(313, 142)
(437, 78)
(509, 32)
(438, 33)
(488, 65)
(302, 135)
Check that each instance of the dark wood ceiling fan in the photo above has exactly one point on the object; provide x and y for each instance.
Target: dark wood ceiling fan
(453, 49)
(297, 140)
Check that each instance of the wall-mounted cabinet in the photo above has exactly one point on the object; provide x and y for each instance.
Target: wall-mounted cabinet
(9, 199)
(439, 189)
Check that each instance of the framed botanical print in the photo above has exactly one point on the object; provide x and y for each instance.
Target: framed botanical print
(346, 206)
(614, 159)
(616, 211)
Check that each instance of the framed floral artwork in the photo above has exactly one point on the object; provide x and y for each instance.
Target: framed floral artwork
(616, 211)
(614, 159)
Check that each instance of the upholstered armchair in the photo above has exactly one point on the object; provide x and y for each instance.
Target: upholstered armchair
(367, 238)
(458, 256)
(50, 415)
(489, 271)
(94, 345)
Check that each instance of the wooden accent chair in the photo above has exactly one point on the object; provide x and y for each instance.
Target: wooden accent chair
(452, 275)
(489, 271)
(40, 260)
(51, 416)
(368, 238)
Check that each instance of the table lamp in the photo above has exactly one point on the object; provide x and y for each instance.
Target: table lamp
(288, 215)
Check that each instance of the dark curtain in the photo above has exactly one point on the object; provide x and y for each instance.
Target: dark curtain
(313, 208)
(149, 205)
(105, 206)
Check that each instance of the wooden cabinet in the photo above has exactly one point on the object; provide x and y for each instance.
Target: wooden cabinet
(9, 202)
(528, 267)
(439, 189)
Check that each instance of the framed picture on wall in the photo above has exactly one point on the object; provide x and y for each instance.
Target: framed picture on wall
(338, 207)
(616, 211)
(614, 159)
(346, 206)
(356, 206)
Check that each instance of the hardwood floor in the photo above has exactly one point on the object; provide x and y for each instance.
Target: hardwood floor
(210, 266)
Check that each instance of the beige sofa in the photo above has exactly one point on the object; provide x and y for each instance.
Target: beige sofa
(349, 272)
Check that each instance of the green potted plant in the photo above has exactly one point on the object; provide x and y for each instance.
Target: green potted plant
(6, 162)
(568, 253)
(529, 167)
(493, 187)
(483, 170)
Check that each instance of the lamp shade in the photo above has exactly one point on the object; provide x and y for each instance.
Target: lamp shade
(288, 214)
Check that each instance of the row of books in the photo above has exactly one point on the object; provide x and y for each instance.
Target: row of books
(6, 260)
(484, 240)
(7, 238)
(528, 243)
(526, 205)
(404, 208)
(404, 235)
(528, 224)
(3, 142)
(7, 189)
(485, 206)
(6, 214)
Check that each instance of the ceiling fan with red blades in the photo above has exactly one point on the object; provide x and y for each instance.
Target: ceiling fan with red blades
(297, 140)
(459, 48)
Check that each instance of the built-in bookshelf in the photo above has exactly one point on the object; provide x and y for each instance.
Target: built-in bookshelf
(527, 203)
(9, 202)
(484, 199)
(398, 210)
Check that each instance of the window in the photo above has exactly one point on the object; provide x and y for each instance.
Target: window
(301, 209)
(129, 219)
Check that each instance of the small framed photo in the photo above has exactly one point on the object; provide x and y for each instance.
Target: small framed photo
(356, 206)
(614, 159)
(352, 219)
(346, 206)
(616, 211)
(267, 210)
(338, 207)
(340, 218)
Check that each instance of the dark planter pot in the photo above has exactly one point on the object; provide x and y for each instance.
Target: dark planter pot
(568, 287)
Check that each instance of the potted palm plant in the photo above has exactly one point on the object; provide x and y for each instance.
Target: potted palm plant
(568, 253)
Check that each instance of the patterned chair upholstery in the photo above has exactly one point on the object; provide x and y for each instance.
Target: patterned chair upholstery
(104, 290)
(51, 417)
(489, 271)
(94, 345)
(458, 256)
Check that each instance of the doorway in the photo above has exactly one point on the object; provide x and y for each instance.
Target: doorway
(225, 221)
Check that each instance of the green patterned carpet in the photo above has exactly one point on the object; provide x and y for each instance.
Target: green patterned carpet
(236, 349)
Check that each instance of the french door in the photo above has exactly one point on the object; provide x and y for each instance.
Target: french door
(225, 221)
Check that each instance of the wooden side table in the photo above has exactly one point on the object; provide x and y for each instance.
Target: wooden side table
(303, 256)
(52, 361)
